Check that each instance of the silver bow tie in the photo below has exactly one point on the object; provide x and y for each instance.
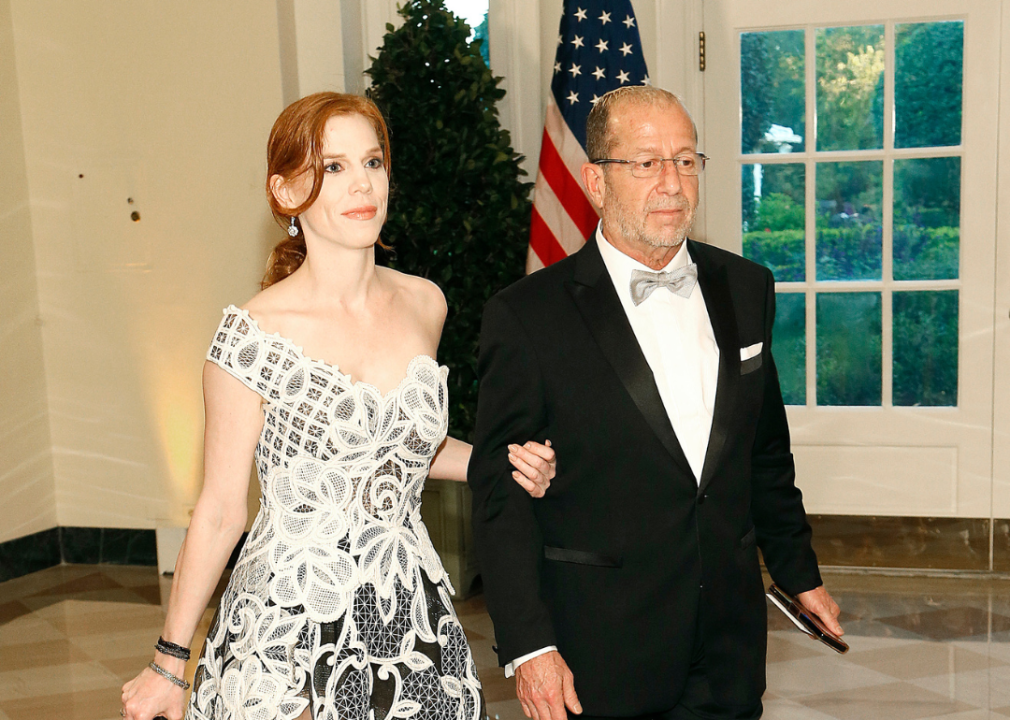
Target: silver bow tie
(680, 282)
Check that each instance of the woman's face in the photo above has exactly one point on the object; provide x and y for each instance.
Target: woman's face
(351, 206)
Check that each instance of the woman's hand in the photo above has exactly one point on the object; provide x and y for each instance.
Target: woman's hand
(535, 465)
(149, 695)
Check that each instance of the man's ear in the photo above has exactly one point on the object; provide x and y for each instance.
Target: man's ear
(596, 185)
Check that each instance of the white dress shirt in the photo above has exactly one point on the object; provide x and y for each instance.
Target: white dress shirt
(676, 337)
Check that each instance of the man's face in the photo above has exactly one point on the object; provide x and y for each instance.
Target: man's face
(655, 212)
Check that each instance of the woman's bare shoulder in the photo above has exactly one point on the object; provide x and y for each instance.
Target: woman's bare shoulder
(269, 306)
(420, 296)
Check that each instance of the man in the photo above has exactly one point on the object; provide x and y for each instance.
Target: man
(633, 588)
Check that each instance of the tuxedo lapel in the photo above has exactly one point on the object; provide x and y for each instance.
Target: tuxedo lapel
(594, 294)
(714, 286)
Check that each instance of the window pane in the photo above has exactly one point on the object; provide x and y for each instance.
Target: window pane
(772, 91)
(790, 346)
(927, 218)
(773, 218)
(849, 198)
(925, 348)
(850, 88)
(848, 349)
(928, 69)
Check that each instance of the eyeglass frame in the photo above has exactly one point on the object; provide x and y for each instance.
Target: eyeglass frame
(662, 164)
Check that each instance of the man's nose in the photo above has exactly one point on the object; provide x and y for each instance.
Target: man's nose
(669, 178)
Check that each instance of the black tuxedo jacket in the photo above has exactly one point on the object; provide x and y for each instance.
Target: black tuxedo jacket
(628, 553)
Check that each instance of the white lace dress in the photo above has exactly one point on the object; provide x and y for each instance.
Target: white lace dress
(338, 601)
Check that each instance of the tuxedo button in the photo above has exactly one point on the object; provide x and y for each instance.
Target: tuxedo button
(701, 499)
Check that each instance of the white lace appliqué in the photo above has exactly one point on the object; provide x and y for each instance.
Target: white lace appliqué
(338, 599)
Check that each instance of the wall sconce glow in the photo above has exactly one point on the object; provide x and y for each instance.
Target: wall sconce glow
(178, 415)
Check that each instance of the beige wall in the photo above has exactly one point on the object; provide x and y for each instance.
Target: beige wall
(1001, 360)
(26, 467)
(160, 109)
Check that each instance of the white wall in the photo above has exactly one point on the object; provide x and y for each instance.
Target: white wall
(168, 106)
(1001, 317)
(26, 469)
(311, 46)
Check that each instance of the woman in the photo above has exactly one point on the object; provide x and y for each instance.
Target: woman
(338, 606)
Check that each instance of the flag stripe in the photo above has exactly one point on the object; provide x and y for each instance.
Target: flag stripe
(564, 141)
(533, 262)
(543, 242)
(559, 221)
(567, 189)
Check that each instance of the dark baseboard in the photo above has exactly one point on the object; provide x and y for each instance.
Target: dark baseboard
(914, 543)
(907, 543)
(76, 545)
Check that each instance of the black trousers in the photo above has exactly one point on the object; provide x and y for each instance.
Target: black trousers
(696, 702)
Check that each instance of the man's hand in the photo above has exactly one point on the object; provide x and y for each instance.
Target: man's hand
(820, 604)
(545, 686)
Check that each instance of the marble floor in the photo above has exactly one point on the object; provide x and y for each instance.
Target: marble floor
(921, 648)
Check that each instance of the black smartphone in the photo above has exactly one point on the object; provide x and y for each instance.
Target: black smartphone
(804, 619)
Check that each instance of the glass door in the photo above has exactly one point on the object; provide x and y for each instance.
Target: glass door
(855, 156)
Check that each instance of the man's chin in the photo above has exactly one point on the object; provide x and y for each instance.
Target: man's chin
(665, 241)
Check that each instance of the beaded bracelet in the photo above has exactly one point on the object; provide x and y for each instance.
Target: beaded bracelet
(177, 681)
(171, 649)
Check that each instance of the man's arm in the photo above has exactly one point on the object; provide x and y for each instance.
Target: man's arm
(511, 409)
(783, 533)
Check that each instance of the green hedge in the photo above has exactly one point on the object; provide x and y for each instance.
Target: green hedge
(854, 253)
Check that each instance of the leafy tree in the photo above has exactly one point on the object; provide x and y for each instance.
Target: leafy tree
(778, 211)
(771, 86)
(928, 71)
(790, 346)
(459, 212)
(849, 348)
(850, 88)
(925, 347)
(785, 178)
(755, 90)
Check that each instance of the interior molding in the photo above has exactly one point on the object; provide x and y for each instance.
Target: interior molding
(514, 47)
(76, 545)
(912, 543)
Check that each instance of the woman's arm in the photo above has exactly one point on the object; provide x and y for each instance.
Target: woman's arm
(234, 420)
(535, 464)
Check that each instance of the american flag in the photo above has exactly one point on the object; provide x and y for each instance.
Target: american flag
(598, 50)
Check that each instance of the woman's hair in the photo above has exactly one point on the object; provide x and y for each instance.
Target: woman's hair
(296, 148)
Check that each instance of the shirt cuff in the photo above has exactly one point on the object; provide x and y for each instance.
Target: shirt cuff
(510, 669)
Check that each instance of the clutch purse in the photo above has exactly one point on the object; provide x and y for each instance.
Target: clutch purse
(805, 620)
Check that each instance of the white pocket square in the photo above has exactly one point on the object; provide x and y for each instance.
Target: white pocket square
(750, 351)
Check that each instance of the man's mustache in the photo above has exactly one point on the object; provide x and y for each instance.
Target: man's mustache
(677, 203)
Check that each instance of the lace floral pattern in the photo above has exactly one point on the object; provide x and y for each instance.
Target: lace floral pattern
(338, 602)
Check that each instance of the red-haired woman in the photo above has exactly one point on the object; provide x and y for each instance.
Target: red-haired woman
(338, 606)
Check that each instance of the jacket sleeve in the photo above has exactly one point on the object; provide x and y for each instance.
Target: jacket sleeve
(511, 409)
(783, 533)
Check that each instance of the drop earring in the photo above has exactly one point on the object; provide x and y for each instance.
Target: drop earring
(292, 228)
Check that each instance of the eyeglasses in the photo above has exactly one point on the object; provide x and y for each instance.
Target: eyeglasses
(688, 164)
